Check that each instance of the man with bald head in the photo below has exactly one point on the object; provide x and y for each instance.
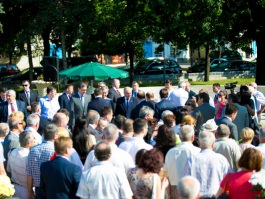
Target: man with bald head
(126, 104)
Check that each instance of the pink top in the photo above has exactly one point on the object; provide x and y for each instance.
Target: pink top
(238, 186)
(219, 112)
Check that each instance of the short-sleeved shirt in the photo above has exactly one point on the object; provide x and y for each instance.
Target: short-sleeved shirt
(37, 155)
(104, 181)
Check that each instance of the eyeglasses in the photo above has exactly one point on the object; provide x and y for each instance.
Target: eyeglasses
(24, 85)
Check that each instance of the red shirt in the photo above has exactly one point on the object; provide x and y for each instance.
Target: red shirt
(239, 187)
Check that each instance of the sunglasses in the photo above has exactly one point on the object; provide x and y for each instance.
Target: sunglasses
(24, 85)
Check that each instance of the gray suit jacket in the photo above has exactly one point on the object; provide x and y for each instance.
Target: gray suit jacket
(242, 118)
(77, 107)
(230, 124)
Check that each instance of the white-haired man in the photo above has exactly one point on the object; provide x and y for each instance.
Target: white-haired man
(11, 105)
(226, 146)
(177, 157)
(207, 166)
(189, 188)
(259, 100)
(119, 158)
(179, 96)
(33, 123)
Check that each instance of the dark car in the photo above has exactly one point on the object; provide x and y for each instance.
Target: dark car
(157, 67)
(196, 68)
(236, 65)
(8, 69)
(24, 75)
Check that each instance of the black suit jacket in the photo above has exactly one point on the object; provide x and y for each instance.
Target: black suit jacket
(122, 109)
(59, 179)
(66, 103)
(135, 112)
(98, 104)
(21, 106)
(164, 104)
(114, 96)
(43, 123)
(34, 97)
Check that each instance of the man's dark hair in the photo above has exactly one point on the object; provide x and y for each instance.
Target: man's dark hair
(233, 97)
(205, 97)
(102, 151)
(67, 86)
(35, 106)
(168, 81)
(230, 109)
(50, 89)
(141, 94)
(106, 110)
(98, 91)
(163, 93)
(50, 131)
(217, 85)
(139, 125)
(64, 111)
(3, 90)
(119, 121)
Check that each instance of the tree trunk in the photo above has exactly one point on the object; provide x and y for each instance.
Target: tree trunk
(130, 50)
(64, 50)
(207, 63)
(260, 80)
(30, 58)
(46, 37)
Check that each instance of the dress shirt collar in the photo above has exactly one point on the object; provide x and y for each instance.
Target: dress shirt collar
(228, 118)
(206, 150)
(222, 139)
(62, 156)
(185, 144)
(106, 162)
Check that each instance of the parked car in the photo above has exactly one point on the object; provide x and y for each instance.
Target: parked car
(24, 75)
(201, 67)
(156, 67)
(236, 65)
(8, 69)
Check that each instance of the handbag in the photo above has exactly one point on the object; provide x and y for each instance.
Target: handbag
(225, 194)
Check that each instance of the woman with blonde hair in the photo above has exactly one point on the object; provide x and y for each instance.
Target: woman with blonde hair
(247, 135)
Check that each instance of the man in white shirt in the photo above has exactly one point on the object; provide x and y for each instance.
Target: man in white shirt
(17, 164)
(104, 180)
(259, 100)
(177, 157)
(33, 121)
(207, 166)
(179, 96)
(226, 146)
(134, 144)
(119, 158)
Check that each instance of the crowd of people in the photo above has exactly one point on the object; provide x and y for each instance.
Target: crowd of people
(116, 143)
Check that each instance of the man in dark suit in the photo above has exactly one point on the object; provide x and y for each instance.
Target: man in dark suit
(28, 95)
(204, 111)
(114, 92)
(135, 89)
(80, 102)
(164, 104)
(98, 103)
(65, 101)
(230, 114)
(140, 103)
(59, 178)
(11, 105)
(3, 94)
(126, 104)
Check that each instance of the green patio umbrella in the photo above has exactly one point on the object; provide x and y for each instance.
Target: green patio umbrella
(93, 71)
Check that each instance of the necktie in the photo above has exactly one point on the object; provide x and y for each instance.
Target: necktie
(118, 92)
(83, 101)
(69, 96)
(28, 97)
(127, 104)
(12, 107)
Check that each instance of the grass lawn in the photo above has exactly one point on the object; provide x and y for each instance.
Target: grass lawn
(224, 81)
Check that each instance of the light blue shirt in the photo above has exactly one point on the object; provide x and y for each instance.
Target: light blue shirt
(104, 181)
(209, 168)
(49, 106)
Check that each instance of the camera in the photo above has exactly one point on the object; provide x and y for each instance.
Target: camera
(231, 85)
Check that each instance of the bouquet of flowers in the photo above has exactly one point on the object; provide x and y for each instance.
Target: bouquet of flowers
(258, 182)
(6, 188)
